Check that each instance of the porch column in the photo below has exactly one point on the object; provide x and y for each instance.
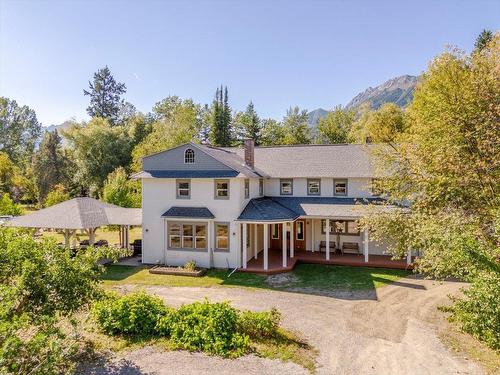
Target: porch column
(283, 226)
(408, 256)
(67, 235)
(292, 240)
(91, 232)
(255, 240)
(365, 244)
(244, 244)
(209, 244)
(266, 246)
(127, 235)
(312, 235)
(327, 239)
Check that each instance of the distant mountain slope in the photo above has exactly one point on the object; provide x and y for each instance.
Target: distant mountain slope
(65, 125)
(314, 116)
(397, 90)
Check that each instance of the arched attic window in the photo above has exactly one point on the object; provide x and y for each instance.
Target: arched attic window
(189, 156)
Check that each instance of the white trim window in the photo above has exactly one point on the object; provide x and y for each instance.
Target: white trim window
(189, 156)
(221, 189)
(222, 236)
(286, 186)
(200, 238)
(187, 236)
(300, 231)
(247, 188)
(275, 235)
(261, 187)
(174, 236)
(340, 187)
(183, 189)
(314, 186)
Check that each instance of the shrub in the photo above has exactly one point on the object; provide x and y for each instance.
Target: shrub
(190, 266)
(136, 313)
(478, 313)
(210, 327)
(259, 324)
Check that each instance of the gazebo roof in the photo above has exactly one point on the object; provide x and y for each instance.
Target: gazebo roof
(79, 213)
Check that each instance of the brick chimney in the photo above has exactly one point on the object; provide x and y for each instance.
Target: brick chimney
(249, 152)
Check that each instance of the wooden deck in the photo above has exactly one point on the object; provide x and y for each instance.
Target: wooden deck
(276, 266)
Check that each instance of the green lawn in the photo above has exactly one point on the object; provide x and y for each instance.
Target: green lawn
(308, 276)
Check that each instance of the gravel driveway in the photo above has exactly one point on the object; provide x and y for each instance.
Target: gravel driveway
(392, 331)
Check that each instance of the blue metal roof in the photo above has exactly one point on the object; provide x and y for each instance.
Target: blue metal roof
(189, 212)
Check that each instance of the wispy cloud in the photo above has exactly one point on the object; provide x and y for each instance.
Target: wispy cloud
(136, 75)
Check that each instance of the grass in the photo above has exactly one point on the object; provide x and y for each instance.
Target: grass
(304, 276)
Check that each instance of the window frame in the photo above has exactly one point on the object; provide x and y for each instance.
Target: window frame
(247, 188)
(340, 180)
(191, 156)
(261, 187)
(216, 189)
(346, 227)
(177, 189)
(275, 235)
(182, 238)
(303, 225)
(216, 247)
(283, 180)
(318, 180)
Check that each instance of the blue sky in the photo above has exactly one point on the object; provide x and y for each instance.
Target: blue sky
(276, 53)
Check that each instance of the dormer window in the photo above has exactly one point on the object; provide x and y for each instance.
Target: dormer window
(189, 156)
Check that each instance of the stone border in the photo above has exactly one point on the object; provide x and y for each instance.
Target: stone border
(165, 270)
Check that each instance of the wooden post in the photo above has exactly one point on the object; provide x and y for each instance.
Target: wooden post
(283, 250)
(244, 244)
(67, 235)
(266, 246)
(292, 240)
(91, 232)
(327, 233)
(365, 244)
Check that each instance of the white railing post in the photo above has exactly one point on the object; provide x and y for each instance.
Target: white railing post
(284, 252)
(365, 244)
(292, 240)
(255, 240)
(327, 233)
(244, 245)
(266, 246)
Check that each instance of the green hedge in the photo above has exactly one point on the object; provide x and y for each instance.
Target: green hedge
(214, 328)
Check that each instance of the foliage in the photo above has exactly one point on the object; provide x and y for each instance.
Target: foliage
(8, 173)
(272, 133)
(248, 125)
(99, 149)
(335, 126)
(190, 265)
(177, 122)
(220, 133)
(8, 207)
(259, 324)
(57, 195)
(296, 127)
(446, 163)
(19, 130)
(478, 312)
(121, 191)
(50, 164)
(136, 313)
(105, 96)
(483, 40)
(210, 327)
(381, 126)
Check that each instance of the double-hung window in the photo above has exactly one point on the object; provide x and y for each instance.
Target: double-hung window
(247, 188)
(314, 186)
(286, 186)
(187, 236)
(340, 187)
(222, 236)
(183, 189)
(221, 189)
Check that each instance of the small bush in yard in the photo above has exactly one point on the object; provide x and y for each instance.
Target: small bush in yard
(136, 313)
(210, 327)
(259, 324)
(190, 266)
(479, 313)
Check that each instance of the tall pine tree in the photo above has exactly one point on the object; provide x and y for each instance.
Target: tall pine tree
(220, 132)
(249, 124)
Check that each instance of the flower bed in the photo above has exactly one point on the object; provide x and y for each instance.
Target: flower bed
(179, 271)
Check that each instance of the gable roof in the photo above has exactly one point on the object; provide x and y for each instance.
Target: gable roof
(79, 213)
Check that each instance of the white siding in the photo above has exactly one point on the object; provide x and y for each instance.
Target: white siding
(356, 187)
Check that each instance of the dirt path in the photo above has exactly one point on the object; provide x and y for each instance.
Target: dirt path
(394, 332)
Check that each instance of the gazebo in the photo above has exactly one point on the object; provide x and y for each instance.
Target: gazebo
(82, 213)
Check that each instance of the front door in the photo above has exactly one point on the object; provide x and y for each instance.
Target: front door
(300, 235)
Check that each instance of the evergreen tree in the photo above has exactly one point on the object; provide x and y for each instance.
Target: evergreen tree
(220, 134)
(50, 164)
(105, 96)
(483, 39)
(249, 124)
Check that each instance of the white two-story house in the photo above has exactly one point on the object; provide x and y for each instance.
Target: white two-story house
(259, 208)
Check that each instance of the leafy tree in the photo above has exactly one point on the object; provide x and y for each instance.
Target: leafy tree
(121, 191)
(483, 39)
(7, 172)
(57, 195)
(138, 128)
(99, 148)
(296, 127)
(272, 133)
(8, 207)
(446, 162)
(248, 124)
(50, 164)
(178, 121)
(335, 126)
(220, 133)
(380, 126)
(105, 96)
(19, 130)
